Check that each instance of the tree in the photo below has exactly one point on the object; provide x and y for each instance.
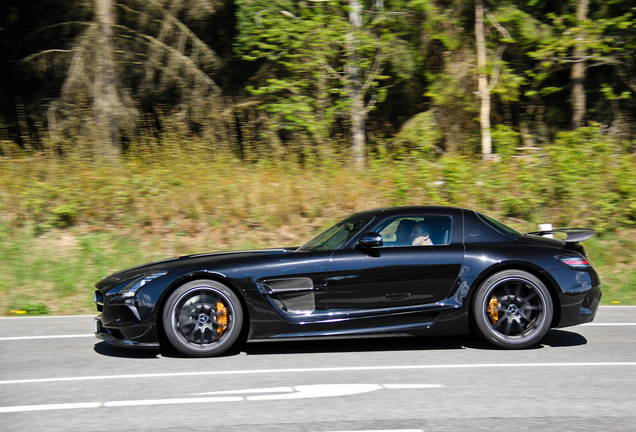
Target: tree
(449, 67)
(321, 66)
(583, 39)
(577, 75)
(459, 63)
(106, 101)
(482, 81)
(484, 87)
(123, 54)
(356, 92)
(296, 82)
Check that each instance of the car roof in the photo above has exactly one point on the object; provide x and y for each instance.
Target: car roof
(397, 210)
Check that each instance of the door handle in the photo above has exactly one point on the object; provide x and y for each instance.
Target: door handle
(398, 296)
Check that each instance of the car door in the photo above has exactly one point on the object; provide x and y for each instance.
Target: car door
(395, 274)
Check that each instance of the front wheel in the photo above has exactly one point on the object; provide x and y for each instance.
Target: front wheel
(202, 318)
(512, 309)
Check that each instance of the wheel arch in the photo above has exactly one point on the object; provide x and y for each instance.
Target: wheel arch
(527, 267)
(200, 275)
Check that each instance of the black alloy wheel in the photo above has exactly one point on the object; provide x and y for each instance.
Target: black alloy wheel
(202, 318)
(513, 309)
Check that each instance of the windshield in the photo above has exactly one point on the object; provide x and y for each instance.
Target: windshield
(338, 235)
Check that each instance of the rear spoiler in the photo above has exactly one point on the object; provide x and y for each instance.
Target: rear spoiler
(573, 235)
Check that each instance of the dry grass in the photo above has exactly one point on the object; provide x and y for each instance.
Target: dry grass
(64, 224)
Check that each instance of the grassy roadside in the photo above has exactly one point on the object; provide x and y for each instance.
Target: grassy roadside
(54, 273)
(64, 224)
(614, 256)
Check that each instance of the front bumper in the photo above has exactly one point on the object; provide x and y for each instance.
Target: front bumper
(125, 334)
(125, 322)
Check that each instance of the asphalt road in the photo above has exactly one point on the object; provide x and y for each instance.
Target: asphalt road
(55, 376)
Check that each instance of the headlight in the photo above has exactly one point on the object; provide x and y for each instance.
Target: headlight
(131, 289)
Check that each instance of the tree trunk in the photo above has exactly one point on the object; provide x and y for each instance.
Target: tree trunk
(356, 95)
(106, 100)
(577, 74)
(482, 82)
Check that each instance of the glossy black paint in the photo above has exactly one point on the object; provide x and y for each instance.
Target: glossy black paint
(358, 288)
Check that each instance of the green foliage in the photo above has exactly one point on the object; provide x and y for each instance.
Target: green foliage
(152, 193)
(505, 140)
(31, 308)
(255, 78)
(419, 137)
(555, 186)
(440, 23)
(626, 187)
(67, 223)
(523, 25)
(590, 188)
(302, 46)
(269, 153)
(613, 256)
(312, 59)
(598, 36)
(603, 43)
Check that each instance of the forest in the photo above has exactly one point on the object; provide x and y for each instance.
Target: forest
(132, 130)
(262, 78)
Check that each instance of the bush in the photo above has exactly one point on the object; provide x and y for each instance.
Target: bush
(166, 201)
(584, 178)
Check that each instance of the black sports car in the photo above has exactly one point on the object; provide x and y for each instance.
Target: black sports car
(410, 270)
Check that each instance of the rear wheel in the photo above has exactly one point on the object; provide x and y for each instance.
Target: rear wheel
(513, 309)
(202, 318)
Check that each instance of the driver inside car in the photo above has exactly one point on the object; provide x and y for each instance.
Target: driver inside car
(421, 234)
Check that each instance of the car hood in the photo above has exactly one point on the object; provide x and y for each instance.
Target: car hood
(180, 262)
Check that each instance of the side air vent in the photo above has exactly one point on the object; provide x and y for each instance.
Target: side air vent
(288, 285)
(291, 295)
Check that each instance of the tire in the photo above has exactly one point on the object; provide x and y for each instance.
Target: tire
(512, 309)
(202, 318)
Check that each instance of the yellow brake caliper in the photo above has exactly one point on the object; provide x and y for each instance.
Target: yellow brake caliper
(221, 317)
(493, 312)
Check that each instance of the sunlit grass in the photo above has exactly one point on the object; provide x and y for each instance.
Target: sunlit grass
(66, 223)
(56, 272)
(614, 256)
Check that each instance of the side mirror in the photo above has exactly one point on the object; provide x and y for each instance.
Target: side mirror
(370, 240)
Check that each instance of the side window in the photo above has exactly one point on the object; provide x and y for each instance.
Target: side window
(416, 231)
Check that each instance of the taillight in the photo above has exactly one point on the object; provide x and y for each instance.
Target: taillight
(574, 261)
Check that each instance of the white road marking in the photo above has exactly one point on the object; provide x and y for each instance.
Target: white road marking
(176, 401)
(248, 391)
(385, 430)
(312, 390)
(320, 390)
(45, 317)
(49, 407)
(297, 392)
(19, 338)
(593, 324)
(317, 370)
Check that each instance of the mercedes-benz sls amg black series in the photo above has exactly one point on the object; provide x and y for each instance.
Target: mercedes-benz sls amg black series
(406, 270)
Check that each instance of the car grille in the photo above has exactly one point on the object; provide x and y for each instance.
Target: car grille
(99, 301)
